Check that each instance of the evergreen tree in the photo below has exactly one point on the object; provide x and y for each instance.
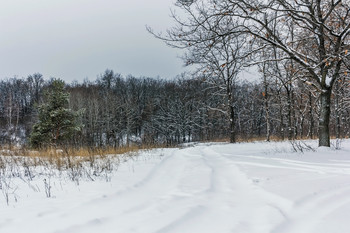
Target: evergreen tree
(57, 123)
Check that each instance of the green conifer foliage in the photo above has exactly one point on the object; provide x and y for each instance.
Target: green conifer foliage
(57, 123)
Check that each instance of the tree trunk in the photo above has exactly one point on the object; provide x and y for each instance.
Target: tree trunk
(325, 111)
(231, 110)
(266, 104)
(267, 115)
(337, 112)
(289, 115)
(311, 115)
(232, 125)
(281, 117)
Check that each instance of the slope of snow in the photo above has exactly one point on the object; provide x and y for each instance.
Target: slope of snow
(249, 188)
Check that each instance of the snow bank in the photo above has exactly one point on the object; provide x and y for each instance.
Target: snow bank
(249, 187)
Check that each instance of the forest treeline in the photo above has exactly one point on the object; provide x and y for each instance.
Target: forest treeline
(118, 111)
(300, 50)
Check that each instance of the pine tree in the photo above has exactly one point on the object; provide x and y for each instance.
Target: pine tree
(57, 123)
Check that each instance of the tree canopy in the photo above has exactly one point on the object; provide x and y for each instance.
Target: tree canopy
(56, 122)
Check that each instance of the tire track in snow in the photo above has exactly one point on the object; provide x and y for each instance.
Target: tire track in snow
(147, 205)
(254, 209)
(309, 212)
(322, 168)
(189, 192)
(165, 199)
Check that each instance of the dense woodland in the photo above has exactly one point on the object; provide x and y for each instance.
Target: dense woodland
(118, 111)
(300, 50)
(293, 41)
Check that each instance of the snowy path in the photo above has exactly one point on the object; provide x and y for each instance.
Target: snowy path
(244, 188)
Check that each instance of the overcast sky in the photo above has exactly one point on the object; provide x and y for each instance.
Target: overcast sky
(77, 39)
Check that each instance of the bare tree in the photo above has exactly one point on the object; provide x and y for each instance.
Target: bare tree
(318, 42)
(218, 58)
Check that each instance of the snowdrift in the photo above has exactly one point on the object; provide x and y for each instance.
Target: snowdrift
(216, 187)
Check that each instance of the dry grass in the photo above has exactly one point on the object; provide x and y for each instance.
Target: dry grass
(247, 139)
(74, 152)
(74, 158)
(79, 162)
(259, 139)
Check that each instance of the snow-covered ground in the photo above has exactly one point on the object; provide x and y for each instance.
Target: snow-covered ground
(249, 187)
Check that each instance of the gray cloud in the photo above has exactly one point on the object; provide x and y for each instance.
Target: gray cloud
(75, 39)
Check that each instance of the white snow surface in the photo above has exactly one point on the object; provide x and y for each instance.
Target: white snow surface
(206, 188)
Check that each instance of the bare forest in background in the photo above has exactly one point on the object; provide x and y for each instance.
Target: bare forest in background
(300, 50)
(291, 41)
(127, 111)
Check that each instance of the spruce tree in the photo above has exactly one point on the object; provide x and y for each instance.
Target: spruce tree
(56, 122)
